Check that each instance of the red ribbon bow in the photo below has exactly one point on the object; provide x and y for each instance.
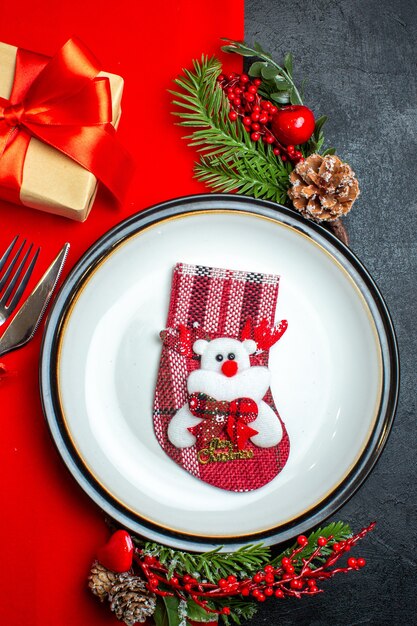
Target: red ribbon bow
(220, 416)
(62, 102)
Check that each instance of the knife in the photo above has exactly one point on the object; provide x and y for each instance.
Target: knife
(26, 321)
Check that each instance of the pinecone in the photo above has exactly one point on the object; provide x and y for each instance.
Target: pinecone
(323, 188)
(101, 580)
(130, 600)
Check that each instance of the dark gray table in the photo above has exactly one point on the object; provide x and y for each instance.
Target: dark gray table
(359, 58)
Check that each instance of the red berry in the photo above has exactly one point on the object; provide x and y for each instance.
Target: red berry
(289, 569)
(232, 116)
(174, 580)
(230, 97)
(265, 105)
(248, 129)
(285, 561)
(187, 578)
(231, 579)
(336, 547)
(311, 583)
(261, 597)
(296, 584)
(269, 569)
(313, 589)
(153, 581)
(255, 126)
(290, 150)
(293, 124)
(245, 591)
(283, 157)
(188, 587)
(244, 78)
(237, 102)
(321, 541)
(270, 139)
(223, 583)
(263, 119)
(226, 610)
(352, 562)
(249, 97)
(247, 121)
(273, 109)
(258, 578)
(231, 76)
(256, 108)
(221, 77)
(279, 593)
(269, 578)
(238, 91)
(255, 136)
(361, 562)
(286, 576)
(257, 82)
(252, 89)
(230, 90)
(276, 151)
(298, 154)
(269, 591)
(255, 117)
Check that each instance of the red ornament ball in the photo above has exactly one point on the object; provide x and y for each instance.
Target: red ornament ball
(293, 124)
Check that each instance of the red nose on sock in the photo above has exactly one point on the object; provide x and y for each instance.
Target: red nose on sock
(229, 368)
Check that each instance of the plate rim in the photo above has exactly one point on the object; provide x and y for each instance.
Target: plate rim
(94, 256)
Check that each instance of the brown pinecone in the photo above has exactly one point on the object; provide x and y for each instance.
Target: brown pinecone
(101, 580)
(323, 188)
(130, 600)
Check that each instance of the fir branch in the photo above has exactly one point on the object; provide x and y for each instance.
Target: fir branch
(213, 565)
(249, 176)
(338, 531)
(230, 160)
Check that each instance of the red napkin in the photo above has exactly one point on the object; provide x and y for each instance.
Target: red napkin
(50, 528)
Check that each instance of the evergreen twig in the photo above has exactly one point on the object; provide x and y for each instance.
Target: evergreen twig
(230, 160)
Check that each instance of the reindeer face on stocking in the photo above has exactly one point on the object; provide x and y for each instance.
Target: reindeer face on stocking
(214, 413)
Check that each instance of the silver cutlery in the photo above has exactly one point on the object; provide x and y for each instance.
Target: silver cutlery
(23, 326)
(13, 281)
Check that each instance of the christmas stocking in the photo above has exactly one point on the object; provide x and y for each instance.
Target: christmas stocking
(214, 413)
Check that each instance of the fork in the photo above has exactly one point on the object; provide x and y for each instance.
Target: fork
(13, 284)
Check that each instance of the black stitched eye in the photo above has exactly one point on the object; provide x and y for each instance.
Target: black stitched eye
(231, 356)
(219, 357)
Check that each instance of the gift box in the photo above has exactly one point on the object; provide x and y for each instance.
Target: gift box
(57, 126)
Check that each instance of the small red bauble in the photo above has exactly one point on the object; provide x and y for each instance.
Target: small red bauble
(293, 124)
(321, 541)
(302, 540)
(117, 553)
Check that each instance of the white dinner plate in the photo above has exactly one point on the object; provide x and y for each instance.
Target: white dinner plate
(334, 378)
